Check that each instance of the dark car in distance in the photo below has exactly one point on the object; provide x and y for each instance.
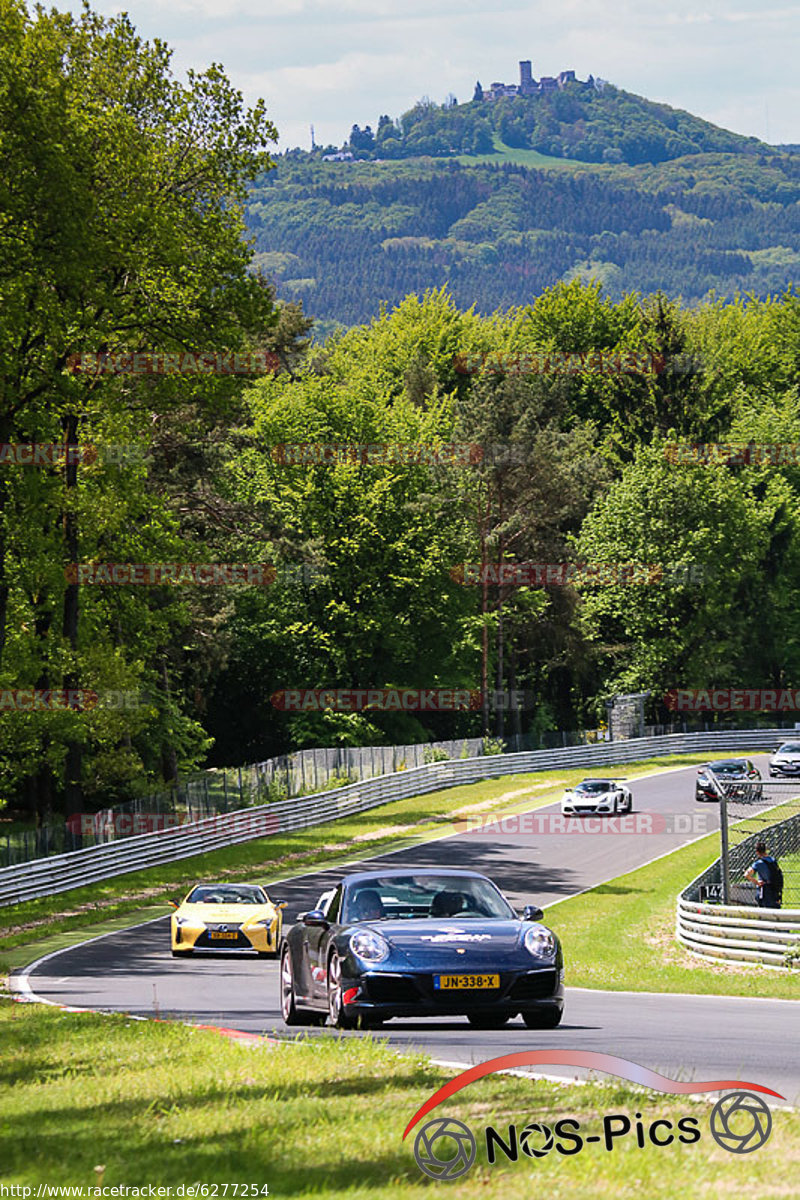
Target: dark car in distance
(420, 943)
(739, 776)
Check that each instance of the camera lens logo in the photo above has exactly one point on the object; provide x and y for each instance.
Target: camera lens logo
(444, 1149)
(529, 1137)
(741, 1122)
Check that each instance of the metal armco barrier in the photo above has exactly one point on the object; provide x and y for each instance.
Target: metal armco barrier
(740, 933)
(61, 873)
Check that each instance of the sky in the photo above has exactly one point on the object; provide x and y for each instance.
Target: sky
(333, 63)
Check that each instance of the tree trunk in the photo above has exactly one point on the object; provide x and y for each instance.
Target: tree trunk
(5, 436)
(485, 633)
(512, 683)
(169, 757)
(499, 695)
(73, 762)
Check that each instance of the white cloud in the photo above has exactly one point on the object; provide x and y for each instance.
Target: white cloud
(338, 62)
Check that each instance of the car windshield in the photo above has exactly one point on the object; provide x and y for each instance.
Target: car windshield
(227, 894)
(421, 896)
(727, 766)
(594, 787)
(790, 748)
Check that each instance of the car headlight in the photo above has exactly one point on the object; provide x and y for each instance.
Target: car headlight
(539, 942)
(260, 925)
(369, 946)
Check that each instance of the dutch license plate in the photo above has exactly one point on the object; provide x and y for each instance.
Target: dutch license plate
(222, 937)
(446, 982)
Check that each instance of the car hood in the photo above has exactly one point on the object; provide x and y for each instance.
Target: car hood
(239, 913)
(589, 797)
(434, 937)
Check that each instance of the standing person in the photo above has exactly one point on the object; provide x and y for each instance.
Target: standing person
(768, 877)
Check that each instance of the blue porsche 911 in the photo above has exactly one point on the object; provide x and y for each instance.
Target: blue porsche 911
(420, 943)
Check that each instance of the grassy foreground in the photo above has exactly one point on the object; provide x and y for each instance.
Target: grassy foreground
(102, 1100)
(621, 936)
(389, 826)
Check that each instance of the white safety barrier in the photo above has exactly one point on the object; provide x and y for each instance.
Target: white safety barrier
(62, 872)
(740, 932)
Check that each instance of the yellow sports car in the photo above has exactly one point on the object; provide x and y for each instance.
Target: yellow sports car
(227, 916)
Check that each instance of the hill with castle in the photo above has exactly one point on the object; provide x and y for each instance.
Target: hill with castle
(523, 186)
(586, 120)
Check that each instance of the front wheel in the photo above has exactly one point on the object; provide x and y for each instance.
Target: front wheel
(542, 1018)
(336, 1012)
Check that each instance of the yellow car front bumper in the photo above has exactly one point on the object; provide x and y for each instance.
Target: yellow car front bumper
(226, 935)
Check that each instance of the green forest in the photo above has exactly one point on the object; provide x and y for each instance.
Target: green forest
(128, 198)
(345, 237)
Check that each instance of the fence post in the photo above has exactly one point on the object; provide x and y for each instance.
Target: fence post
(724, 858)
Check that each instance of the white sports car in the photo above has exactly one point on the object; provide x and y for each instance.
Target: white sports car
(597, 796)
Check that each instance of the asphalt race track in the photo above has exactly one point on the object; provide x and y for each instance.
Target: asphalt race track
(686, 1037)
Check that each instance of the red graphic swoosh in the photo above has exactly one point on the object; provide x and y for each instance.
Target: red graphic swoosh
(609, 1064)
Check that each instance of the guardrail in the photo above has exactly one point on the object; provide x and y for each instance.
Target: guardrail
(739, 932)
(63, 872)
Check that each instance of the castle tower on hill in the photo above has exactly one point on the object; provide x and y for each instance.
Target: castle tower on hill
(528, 86)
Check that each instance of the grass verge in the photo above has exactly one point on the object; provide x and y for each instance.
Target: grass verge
(621, 936)
(106, 1101)
(388, 827)
(525, 158)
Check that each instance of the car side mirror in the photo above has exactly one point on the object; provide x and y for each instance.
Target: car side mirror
(173, 903)
(531, 913)
(280, 904)
(315, 917)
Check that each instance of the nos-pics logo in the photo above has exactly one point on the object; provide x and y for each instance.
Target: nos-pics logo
(446, 1148)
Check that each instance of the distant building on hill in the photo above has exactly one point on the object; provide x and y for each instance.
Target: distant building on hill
(528, 86)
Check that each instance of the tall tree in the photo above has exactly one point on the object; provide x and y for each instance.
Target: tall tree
(123, 192)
